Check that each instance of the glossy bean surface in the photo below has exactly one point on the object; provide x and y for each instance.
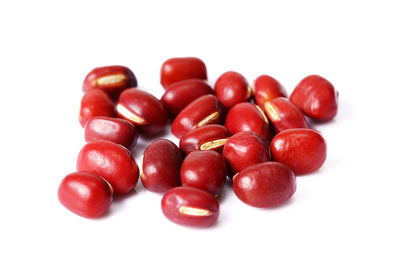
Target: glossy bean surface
(95, 103)
(112, 79)
(284, 115)
(190, 207)
(180, 94)
(178, 69)
(111, 161)
(204, 170)
(265, 185)
(267, 88)
(209, 137)
(162, 161)
(316, 97)
(232, 88)
(85, 194)
(303, 150)
(245, 149)
(112, 129)
(248, 117)
(145, 111)
(201, 112)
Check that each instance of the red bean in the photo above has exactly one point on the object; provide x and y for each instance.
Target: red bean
(248, 117)
(204, 170)
(303, 150)
(209, 137)
(190, 206)
(232, 88)
(162, 161)
(245, 149)
(178, 69)
(202, 111)
(284, 115)
(265, 185)
(85, 194)
(267, 88)
(112, 79)
(111, 161)
(145, 111)
(180, 94)
(95, 103)
(316, 97)
(116, 130)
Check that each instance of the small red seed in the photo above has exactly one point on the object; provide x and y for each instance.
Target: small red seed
(204, 170)
(284, 115)
(162, 161)
(116, 130)
(232, 88)
(209, 137)
(303, 150)
(247, 117)
(267, 88)
(180, 94)
(316, 97)
(201, 112)
(265, 185)
(178, 69)
(245, 149)
(142, 109)
(112, 79)
(85, 194)
(111, 161)
(190, 206)
(95, 103)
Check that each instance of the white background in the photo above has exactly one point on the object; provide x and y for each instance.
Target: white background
(343, 219)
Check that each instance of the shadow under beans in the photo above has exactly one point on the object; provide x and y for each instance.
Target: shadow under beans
(145, 140)
(225, 191)
(123, 197)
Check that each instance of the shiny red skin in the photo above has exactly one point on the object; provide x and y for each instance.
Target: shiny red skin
(193, 139)
(146, 106)
(245, 149)
(288, 116)
(246, 117)
(179, 197)
(111, 161)
(178, 69)
(267, 88)
(232, 88)
(91, 80)
(303, 150)
(162, 161)
(112, 129)
(195, 112)
(95, 103)
(85, 194)
(316, 97)
(265, 185)
(204, 170)
(180, 94)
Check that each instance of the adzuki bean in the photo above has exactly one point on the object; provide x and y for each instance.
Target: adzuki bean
(112, 79)
(85, 194)
(162, 161)
(316, 97)
(178, 69)
(265, 185)
(190, 206)
(303, 150)
(111, 161)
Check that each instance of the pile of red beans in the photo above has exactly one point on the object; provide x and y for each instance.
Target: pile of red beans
(261, 146)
